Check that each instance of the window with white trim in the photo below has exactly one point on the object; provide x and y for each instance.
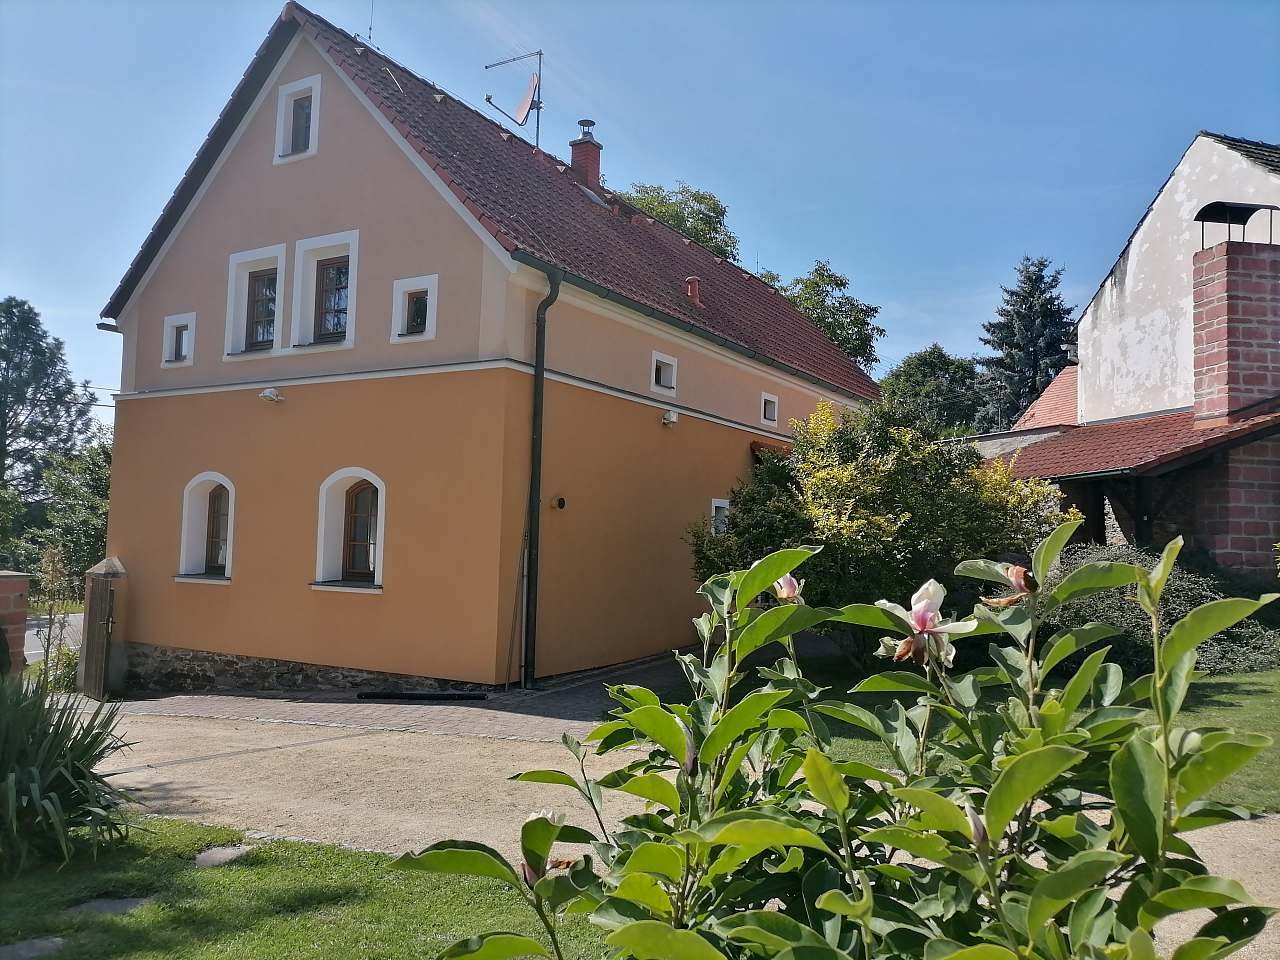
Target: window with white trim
(662, 372)
(179, 340)
(768, 409)
(349, 530)
(297, 110)
(208, 527)
(413, 308)
(324, 290)
(254, 324)
(719, 516)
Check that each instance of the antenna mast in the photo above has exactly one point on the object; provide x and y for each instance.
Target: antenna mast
(532, 102)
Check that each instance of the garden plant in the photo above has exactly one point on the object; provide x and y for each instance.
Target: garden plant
(1026, 814)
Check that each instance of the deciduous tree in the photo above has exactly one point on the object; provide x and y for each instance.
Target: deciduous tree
(698, 214)
(932, 391)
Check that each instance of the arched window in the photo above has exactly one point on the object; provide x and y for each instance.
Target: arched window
(360, 539)
(350, 530)
(208, 527)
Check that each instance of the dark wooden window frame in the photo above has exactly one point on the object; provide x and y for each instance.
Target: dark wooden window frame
(217, 530)
(251, 318)
(181, 349)
(348, 540)
(412, 329)
(319, 335)
(294, 146)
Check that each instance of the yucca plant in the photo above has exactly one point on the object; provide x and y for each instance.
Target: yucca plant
(51, 797)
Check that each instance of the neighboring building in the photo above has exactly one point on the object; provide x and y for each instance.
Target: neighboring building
(325, 437)
(1166, 425)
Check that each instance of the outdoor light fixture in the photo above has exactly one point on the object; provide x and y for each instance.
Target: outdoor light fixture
(669, 418)
(271, 395)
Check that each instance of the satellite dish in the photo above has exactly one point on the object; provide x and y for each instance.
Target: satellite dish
(527, 101)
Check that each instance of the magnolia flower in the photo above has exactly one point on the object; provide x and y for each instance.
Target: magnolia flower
(977, 828)
(787, 589)
(544, 814)
(1024, 584)
(530, 875)
(927, 626)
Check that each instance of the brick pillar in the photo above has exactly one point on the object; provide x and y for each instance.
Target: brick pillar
(1236, 328)
(13, 616)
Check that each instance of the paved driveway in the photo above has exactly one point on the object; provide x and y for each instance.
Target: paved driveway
(33, 648)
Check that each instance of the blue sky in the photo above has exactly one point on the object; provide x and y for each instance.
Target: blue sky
(921, 147)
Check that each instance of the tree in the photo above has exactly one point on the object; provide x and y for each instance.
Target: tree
(1028, 333)
(849, 323)
(42, 410)
(698, 214)
(74, 489)
(932, 391)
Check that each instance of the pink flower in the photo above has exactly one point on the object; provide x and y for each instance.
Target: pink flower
(1024, 584)
(530, 876)
(787, 589)
(926, 625)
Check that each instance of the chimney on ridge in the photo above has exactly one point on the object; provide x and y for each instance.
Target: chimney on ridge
(585, 158)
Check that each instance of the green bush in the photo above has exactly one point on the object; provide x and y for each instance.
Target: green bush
(61, 668)
(51, 798)
(1252, 644)
(1019, 819)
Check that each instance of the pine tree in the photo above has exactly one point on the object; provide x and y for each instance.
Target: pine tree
(1027, 336)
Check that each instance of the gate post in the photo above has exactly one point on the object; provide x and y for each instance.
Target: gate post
(103, 658)
(13, 620)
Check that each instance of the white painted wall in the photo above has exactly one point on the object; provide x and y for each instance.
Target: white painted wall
(1135, 336)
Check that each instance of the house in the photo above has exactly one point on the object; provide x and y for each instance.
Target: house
(405, 397)
(1168, 423)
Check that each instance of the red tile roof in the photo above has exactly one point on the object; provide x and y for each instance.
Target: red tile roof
(1141, 446)
(1055, 407)
(535, 207)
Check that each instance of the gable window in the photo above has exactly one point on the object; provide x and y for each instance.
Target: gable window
(260, 311)
(219, 525)
(179, 340)
(324, 291)
(663, 373)
(768, 409)
(413, 311)
(360, 539)
(332, 278)
(208, 528)
(297, 112)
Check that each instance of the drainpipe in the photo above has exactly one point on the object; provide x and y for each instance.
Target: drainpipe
(529, 666)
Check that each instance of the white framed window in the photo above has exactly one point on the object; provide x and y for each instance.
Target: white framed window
(413, 308)
(179, 341)
(719, 516)
(662, 373)
(768, 409)
(208, 528)
(297, 116)
(324, 291)
(255, 326)
(350, 531)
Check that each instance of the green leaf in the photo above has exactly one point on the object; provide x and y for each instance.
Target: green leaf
(1200, 948)
(662, 727)
(865, 771)
(557, 777)
(737, 720)
(1094, 578)
(869, 615)
(1062, 645)
(1065, 882)
(537, 837)
(778, 623)
(1021, 781)
(654, 940)
(984, 570)
(1206, 769)
(655, 787)
(1078, 686)
(825, 783)
(896, 681)
(768, 928)
(757, 829)
(1160, 575)
(1138, 785)
(839, 902)
(981, 951)
(460, 857)
(926, 846)
(763, 573)
(645, 890)
(661, 859)
(1050, 549)
(1206, 621)
(495, 946)
(785, 719)
(939, 812)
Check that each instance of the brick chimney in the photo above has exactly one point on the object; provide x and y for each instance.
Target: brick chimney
(1236, 328)
(585, 158)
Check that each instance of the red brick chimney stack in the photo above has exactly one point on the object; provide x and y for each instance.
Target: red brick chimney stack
(585, 158)
(1236, 328)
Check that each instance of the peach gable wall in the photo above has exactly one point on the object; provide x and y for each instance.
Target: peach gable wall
(357, 180)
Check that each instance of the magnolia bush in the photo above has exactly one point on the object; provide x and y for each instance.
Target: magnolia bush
(1022, 816)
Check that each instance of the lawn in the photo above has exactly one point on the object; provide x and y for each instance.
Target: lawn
(282, 900)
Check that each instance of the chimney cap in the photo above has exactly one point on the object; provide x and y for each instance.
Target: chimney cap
(586, 126)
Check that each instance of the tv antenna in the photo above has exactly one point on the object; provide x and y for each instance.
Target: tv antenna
(531, 102)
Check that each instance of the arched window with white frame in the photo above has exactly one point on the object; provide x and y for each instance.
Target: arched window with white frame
(208, 527)
(349, 531)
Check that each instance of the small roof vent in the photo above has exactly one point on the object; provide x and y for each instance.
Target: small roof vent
(693, 290)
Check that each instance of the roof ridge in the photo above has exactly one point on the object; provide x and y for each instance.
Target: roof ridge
(1227, 138)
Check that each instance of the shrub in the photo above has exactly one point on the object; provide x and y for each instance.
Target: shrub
(51, 798)
(61, 668)
(1249, 645)
(1019, 820)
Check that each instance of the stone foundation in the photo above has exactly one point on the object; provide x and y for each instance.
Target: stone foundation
(179, 670)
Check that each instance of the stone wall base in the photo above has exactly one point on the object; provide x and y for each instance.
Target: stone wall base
(178, 670)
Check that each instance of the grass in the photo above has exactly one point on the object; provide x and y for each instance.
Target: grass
(282, 900)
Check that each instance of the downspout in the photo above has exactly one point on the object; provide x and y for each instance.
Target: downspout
(529, 660)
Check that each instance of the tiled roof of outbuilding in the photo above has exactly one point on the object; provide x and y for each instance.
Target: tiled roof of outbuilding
(1057, 406)
(534, 205)
(1266, 154)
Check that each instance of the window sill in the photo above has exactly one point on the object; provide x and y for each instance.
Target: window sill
(170, 364)
(202, 578)
(321, 345)
(290, 157)
(415, 335)
(346, 586)
(252, 354)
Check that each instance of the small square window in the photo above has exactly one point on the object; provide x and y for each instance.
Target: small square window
(181, 348)
(297, 120)
(179, 340)
(664, 373)
(413, 308)
(768, 408)
(719, 516)
(300, 137)
(415, 320)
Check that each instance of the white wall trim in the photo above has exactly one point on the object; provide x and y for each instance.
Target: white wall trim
(195, 521)
(765, 399)
(400, 290)
(675, 373)
(171, 323)
(306, 254)
(196, 578)
(490, 243)
(285, 96)
(336, 588)
(239, 266)
(331, 523)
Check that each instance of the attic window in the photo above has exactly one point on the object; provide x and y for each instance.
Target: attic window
(663, 371)
(297, 113)
(768, 409)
